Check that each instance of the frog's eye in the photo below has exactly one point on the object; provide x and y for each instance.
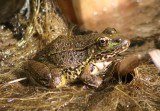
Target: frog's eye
(109, 30)
(103, 41)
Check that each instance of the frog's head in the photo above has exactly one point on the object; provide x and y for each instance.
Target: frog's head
(110, 44)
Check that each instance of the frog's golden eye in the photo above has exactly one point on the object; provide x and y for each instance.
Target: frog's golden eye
(104, 41)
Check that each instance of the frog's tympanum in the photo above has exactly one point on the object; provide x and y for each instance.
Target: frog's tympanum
(68, 59)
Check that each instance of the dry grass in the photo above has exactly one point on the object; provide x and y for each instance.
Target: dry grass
(142, 93)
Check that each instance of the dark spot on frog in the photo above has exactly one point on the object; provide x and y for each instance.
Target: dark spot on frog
(58, 43)
(68, 44)
(80, 55)
(65, 71)
(79, 44)
(63, 56)
(64, 48)
(71, 59)
(51, 27)
(61, 62)
(90, 41)
(69, 73)
(79, 60)
(57, 48)
(70, 68)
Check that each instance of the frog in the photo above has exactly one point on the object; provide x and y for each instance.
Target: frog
(72, 58)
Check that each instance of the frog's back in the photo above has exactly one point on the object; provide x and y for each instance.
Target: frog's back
(65, 44)
(67, 51)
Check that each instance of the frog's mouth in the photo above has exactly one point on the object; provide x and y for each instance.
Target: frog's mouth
(117, 46)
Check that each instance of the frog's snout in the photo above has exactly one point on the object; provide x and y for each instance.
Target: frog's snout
(124, 43)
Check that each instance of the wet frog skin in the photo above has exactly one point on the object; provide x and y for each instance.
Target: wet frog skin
(71, 58)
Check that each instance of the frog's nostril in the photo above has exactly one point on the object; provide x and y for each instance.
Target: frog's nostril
(117, 40)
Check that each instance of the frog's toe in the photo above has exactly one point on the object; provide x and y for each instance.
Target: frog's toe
(92, 80)
(55, 82)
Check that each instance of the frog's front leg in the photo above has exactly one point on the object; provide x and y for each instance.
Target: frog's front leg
(42, 75)
(89, 78)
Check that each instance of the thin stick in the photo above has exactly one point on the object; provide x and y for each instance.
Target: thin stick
(17, 80)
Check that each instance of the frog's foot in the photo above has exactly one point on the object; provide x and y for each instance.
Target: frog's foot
(41, 75)
(90, 79)
(129, 64)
